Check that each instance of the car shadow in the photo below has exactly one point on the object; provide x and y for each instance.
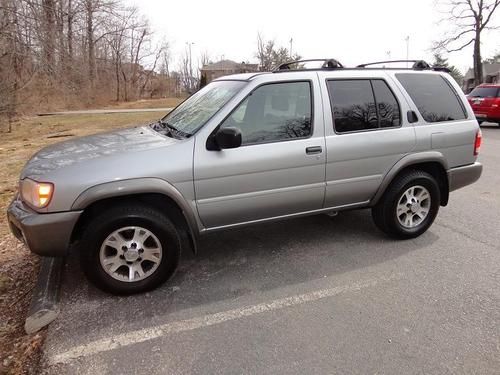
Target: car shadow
(239, 262)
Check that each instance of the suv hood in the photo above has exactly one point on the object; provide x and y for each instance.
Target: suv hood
(80, 150)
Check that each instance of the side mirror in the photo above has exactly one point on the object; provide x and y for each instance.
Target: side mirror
(229, 137)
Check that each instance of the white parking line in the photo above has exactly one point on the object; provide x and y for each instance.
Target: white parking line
(146, 334)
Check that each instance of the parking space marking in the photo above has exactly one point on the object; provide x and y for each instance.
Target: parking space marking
(147, 334)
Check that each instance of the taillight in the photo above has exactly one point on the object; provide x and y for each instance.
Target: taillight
(477, 142)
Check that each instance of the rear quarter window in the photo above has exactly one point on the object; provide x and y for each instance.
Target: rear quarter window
(434, 97)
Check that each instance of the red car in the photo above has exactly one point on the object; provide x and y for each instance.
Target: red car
(485, 102)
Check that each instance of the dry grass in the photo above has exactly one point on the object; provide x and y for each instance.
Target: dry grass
(19, 352)
(148, 103)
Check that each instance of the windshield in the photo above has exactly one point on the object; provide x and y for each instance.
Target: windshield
(195, 111)
(484, 92)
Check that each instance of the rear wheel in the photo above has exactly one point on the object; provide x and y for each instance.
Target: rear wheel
(409, 206)
(130, 249)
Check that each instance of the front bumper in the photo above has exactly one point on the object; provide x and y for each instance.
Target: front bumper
(44, 234)
(463, 176)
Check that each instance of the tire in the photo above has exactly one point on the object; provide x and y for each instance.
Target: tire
(411, 221)
(112, 262)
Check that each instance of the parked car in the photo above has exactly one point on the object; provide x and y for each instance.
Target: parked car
(485, 102)
(248, 149)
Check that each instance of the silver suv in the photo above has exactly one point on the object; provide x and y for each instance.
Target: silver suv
(247, 149)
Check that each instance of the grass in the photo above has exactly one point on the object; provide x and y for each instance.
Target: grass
(19, 352)
(31, 134)
(149, 103)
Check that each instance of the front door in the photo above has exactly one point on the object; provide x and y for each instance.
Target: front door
(280, 167)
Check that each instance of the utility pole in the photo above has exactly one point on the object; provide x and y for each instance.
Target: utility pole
(407, 39)
(190, 65)
(291, 45)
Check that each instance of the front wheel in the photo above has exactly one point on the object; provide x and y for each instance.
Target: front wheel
(409, 206)
(130, 249)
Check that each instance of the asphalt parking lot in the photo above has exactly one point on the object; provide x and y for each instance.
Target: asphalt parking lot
(311, 295)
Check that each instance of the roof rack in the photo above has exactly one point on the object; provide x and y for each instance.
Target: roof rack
(417, 65)
(331, 64)
(327, 64)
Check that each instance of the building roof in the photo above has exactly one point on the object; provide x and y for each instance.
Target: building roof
(488, 69)
(228, 65)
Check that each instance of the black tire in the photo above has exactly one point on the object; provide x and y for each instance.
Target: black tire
(385, 212)
(110, 220)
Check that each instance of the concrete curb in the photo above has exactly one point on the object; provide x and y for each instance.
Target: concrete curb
(44, 307)
(105, 111)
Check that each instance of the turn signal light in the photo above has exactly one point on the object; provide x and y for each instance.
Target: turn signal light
(36, 194)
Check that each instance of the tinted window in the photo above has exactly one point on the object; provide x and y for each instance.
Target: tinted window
(433, 96)
(484, 92)
(353, 105)
(354, 109)
(274, 112)
(387, 105)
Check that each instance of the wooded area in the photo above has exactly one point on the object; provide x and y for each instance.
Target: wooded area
(77, 53)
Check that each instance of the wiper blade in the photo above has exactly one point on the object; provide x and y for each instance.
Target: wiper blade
(174, 130)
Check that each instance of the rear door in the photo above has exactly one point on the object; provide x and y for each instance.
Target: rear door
(366, 134)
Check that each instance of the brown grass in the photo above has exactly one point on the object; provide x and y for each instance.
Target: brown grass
(149, 103)
(19, 352)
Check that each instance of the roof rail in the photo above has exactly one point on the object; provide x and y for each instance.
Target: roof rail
(327, 64)
(417, 65)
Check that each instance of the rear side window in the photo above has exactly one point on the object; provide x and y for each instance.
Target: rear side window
(387, 105)
(434, 97)
(485, 92)
(362, 104)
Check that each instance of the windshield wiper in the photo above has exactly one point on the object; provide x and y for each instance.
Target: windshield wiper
(174, 130)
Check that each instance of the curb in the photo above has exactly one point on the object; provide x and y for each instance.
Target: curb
(44, 307)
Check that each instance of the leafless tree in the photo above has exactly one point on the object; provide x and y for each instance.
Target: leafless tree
(470, 18)
(270, 55)
(189, 78)
(57, 53)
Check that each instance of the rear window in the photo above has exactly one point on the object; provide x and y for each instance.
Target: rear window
(484, 92)
(434, 97)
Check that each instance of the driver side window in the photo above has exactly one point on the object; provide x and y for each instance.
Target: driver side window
(274, 112)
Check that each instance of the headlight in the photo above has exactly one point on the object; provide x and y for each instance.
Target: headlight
(36, 194)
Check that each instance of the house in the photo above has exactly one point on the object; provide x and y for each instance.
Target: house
(221, 68)
(491, 74)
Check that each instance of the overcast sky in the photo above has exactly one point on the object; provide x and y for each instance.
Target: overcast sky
(352, 31)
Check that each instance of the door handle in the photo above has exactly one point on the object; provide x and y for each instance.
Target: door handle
(314, 150)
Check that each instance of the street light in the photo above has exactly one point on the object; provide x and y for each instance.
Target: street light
(407, 39)
(189, 44)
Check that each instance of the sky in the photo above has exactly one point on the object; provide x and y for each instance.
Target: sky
(351, 31)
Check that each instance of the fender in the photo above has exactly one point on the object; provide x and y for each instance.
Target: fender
(406, 161)
(140, 186)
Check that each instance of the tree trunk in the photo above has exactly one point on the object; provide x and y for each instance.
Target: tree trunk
(49, 32)
(90, 41)
(70, 31)
(478, 66)
(117, 76)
